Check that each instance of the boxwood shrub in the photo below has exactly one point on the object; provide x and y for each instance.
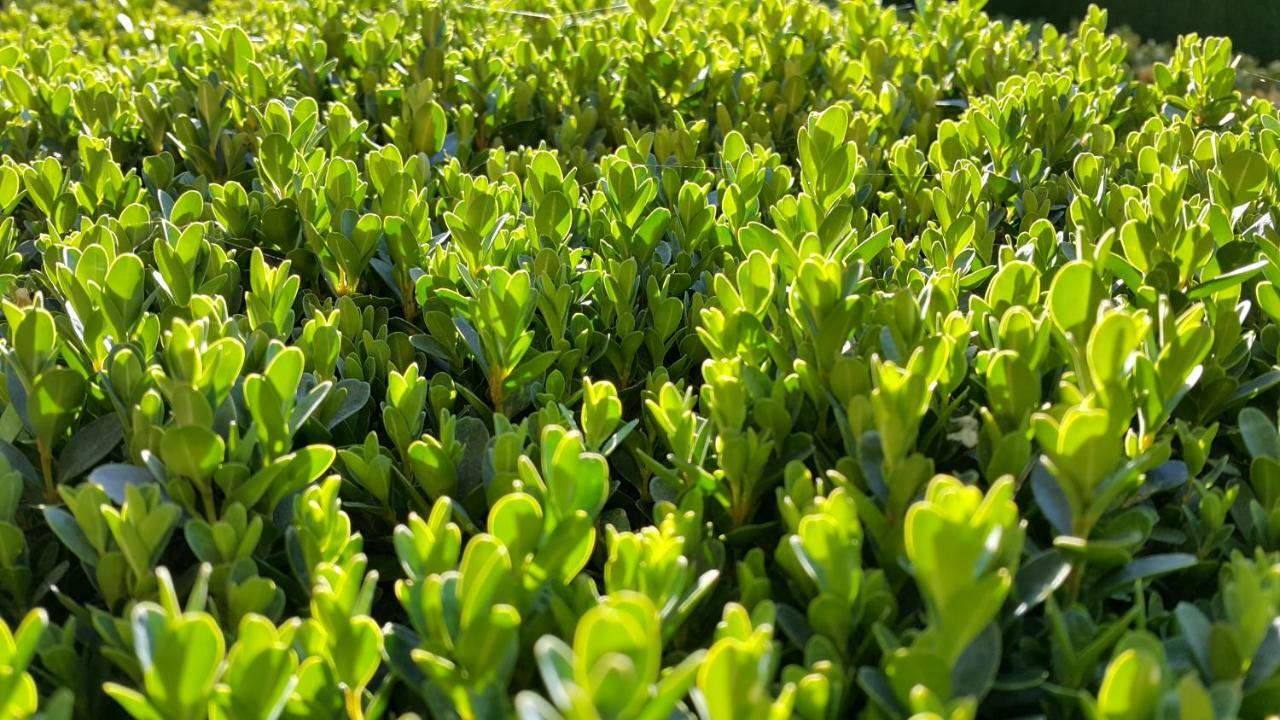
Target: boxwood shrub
(735, 359)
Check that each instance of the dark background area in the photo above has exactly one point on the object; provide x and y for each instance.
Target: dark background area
(1252, 25)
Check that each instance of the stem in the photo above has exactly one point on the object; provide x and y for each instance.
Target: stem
(410, 302)
(739, 508)
(421, 504)
(206, 495)
(354, 709)
(1076, 581)
(496, 380)
(1082, 527)
(46, 469)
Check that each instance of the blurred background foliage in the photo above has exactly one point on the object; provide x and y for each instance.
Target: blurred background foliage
(1152, 28)
(1252, 25)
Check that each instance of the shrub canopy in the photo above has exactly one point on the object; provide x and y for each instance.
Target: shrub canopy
(730, 359)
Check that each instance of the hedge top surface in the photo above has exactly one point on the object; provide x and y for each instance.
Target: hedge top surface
(706, 360)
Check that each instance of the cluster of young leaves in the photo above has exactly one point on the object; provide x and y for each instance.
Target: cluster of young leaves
(734, 359)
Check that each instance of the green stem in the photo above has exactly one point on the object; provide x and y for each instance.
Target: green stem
(420, 502)
(739, 508)
(1082, 527)
(46, 469)
(206, 496)
(1076, 581)
(354, 709)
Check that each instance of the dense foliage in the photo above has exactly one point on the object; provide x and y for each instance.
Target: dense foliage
(739, 359)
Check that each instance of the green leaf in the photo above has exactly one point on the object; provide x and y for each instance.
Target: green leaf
(134, 702)
(1038, 578)
(54, 402)
(516, 520)
(357, 656)
(88, 446)
(115, 478)
(1195, 629)
(1144, 568)
(188, 208)
(1259, 434)
(1131, 688)
(1246, 173)
(654, 13)
(1074, 297)
(192, 451)
(69, 532)
(183, 660)
(1226, 280)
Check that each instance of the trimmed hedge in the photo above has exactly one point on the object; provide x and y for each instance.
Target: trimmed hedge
(741, 359)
